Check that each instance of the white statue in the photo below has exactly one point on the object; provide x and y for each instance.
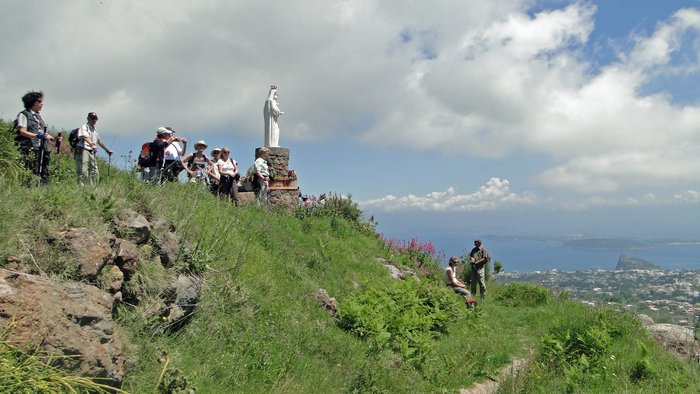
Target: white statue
(271, 112)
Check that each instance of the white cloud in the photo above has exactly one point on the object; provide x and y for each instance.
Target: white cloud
(478, 78)
(689, 196)
(493, 195)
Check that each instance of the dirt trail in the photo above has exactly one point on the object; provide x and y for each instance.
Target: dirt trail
(516, 367)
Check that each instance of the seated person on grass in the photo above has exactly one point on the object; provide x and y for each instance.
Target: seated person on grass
(452, 281)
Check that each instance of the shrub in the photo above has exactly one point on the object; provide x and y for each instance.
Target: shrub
(405, 316)
(523, 294)
(10, 160)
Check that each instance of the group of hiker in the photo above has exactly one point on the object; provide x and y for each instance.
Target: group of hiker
(163, 159)
(478, 259)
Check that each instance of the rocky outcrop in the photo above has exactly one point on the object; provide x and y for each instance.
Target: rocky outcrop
(679, 340)
(89, 250)
(328, 302)
(397, 272)
(634, 263)
(70, 320)
(133, 226)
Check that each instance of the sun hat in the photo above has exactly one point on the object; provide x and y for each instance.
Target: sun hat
(215, 151)
(163, 130)
(201, 142)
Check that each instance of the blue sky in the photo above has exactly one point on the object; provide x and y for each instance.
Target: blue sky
(477, 117)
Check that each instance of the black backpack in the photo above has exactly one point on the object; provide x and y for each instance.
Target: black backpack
(73, 139)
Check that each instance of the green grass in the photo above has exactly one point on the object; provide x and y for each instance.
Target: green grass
(258, 329)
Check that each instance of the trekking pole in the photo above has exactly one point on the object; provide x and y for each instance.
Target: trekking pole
(59, 138)
(39, 160)
(109, 164)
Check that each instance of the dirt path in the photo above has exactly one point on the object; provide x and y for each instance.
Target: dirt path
(516, 366)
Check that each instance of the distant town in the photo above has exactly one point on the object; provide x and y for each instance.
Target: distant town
(667, 296)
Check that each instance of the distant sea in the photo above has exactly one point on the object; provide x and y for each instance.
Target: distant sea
(526, 254)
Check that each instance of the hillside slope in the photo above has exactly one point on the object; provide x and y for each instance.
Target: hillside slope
(258, 328)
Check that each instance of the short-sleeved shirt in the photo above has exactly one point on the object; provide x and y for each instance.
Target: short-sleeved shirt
(226, 166)
(261, 166)
(87, 131)
(173, 151)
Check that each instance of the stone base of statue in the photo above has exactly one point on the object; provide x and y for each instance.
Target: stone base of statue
(284, 188)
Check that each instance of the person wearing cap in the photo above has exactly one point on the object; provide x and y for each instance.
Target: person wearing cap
(197, 164)
(86, 152)
(172, 159)
(478, 257)
(452, 281)
(215, 177)
(32, 136)
(164, 137)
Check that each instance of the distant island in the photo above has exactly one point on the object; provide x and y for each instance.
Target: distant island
(634, 263)
(607, 243)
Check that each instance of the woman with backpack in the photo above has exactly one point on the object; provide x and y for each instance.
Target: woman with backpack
(228, 172)
(197, 164)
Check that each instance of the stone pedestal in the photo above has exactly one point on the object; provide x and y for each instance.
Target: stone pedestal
(284, 191)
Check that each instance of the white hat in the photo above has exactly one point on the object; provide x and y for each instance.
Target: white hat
(201, 142)
(163, 130)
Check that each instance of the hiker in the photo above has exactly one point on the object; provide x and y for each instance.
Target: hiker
(452, 281)
(156, 149)
(478, 257)
(197, 164)
(261, 176)
(86, 152)
(172, 159)
(214, 176)
(228, 171)
(32, 138)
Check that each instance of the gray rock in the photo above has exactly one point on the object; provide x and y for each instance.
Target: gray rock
(114, 279)
(63, 319)
(186, 290)
(677, 339)
(645, 320)
(90, 250)
(328, 302)
(127, 256)
(133, 226)
(168, 247)
(397, 272)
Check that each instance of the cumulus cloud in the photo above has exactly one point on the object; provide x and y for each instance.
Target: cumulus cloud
(493, 195)
(689, 196)
(477, 79)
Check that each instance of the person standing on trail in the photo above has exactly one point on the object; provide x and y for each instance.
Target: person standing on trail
(452, 281)
(86, 152)
(32, 136)
(478, 258)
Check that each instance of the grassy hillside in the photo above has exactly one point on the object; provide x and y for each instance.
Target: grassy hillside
(258, 328)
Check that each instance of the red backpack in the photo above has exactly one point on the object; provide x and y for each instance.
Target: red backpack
(145, 158)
